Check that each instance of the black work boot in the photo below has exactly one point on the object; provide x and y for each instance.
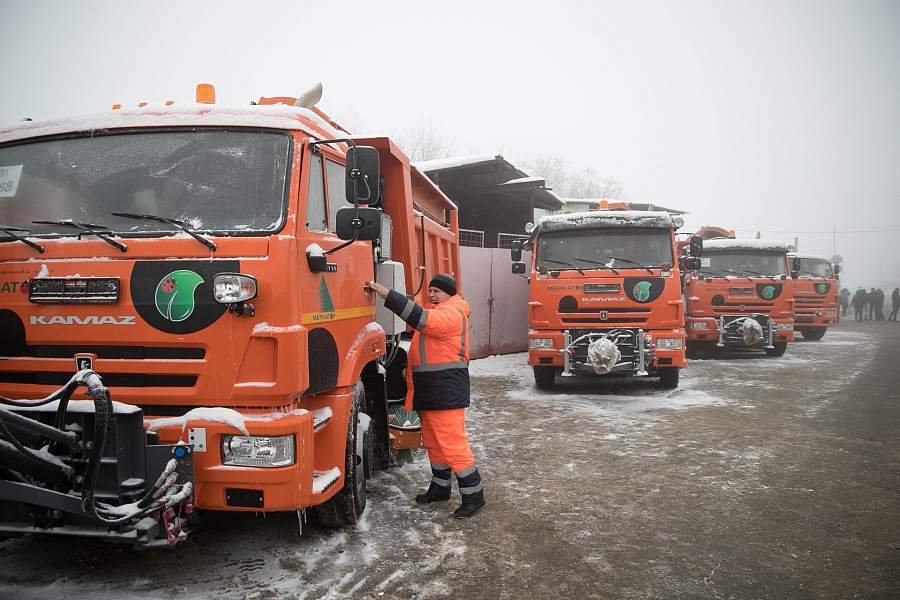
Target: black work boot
(472, 492)
(467, 510)
(439, 488)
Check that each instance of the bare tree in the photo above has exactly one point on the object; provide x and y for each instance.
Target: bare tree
(582, 184)
(551, 168)
(588, 184)
(423, 141)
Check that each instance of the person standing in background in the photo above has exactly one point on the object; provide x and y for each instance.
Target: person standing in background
(877, 299)
(845, 301)
(860, 303)
(895, 305)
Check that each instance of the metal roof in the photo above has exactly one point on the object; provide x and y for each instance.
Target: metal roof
(491, 179)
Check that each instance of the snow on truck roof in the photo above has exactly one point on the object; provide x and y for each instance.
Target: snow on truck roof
(277, 116)
(611, 218)
(744, 244)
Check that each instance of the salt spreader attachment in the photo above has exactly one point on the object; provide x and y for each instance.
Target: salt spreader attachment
(87, 467)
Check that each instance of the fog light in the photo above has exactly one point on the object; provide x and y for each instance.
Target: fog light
(784, 326)
(699, 325)
(258, 451)
(231, 288)
(669, 343)
(541, 343)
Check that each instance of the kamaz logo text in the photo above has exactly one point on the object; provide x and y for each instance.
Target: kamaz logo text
(91, 320)
(602, 299)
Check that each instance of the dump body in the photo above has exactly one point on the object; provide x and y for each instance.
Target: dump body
(184, 258)
(816, 295)
(605, 297)
(741, 296)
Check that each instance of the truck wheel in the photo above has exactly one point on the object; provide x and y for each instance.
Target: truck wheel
(668, 377)
(544, 377)
(345, 507)
(812, 333)
(778, 350)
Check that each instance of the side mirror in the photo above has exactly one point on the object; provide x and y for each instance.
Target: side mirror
(515, 250)
(365, 223)
(795, 266)
(363, 171)
(837, 269)
(518, 268)
(696, 248)
(692, 263)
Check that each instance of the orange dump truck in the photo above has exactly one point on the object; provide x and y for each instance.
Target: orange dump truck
(185, 324)
(742, 296)
(816, 295)
(604, 296)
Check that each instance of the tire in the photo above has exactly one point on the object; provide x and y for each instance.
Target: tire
(668, 377)
(345, 507)
(544, 377)
(812, 333)
(778, 350)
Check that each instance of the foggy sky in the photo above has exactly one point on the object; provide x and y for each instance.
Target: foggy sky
(778, 117)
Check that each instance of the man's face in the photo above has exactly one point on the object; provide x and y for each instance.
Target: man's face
(437, 295)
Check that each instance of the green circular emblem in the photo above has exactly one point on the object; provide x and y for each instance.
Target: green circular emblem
(175, 294)
(768, 292)
(642, 291)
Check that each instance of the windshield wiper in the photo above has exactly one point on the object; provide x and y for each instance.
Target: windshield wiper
(759, 274)
(9, 231)
(87, 228)
(733, 272)
(599, 264)
(565, 264)
(633, 262)
(179, 224)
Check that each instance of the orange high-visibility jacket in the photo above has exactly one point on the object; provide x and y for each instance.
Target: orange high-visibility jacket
(438, 363)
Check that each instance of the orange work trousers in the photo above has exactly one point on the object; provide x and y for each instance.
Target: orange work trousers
(444, 435)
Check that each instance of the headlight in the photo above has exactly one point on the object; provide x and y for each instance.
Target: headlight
(541, 343)
(258, 451)
(788, 326)
(231, 288)
(699, 325)
(668, 343)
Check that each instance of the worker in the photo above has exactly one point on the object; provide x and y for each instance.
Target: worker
(438, 387)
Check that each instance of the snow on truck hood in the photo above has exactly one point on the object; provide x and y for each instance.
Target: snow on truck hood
(598, 218)
(277, 116)
(748, 244)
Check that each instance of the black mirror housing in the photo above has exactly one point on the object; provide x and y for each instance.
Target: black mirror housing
(515, 250)
(363, 172)
(518, 268)
(696, 248)
(692, 263)
(364, 223)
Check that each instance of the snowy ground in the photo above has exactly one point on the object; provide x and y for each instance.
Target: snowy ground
(543, 456)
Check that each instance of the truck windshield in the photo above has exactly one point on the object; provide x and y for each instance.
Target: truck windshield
(815, 267)
(232, 182)
(606, 249)
(742, 264)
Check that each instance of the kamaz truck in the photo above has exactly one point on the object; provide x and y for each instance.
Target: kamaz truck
(604, 296)
(185, 321)
(741, 297)
(816, 294)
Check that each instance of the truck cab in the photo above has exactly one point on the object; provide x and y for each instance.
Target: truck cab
(202, 270)
(741, 296)
(816, 294)
(604, 297)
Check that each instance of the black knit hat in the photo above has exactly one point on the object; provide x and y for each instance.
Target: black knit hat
(444, 282)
